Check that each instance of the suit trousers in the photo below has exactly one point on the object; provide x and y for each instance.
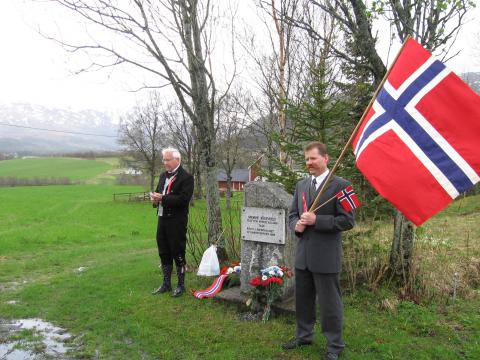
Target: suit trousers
(172, 240)
(326, 289)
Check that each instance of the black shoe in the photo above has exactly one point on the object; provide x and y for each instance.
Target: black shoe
(295, 343)
(179, 290)
(181, 282)
(162, 289)
(331, 356)
(167, 284)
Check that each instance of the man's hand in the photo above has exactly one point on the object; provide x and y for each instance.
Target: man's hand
(299, 227)
(155, 197)
(308, 218)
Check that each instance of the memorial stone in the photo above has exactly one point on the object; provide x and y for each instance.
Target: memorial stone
(266, 239)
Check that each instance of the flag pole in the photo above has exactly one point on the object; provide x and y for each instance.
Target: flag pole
(314, 207)
(324, 203)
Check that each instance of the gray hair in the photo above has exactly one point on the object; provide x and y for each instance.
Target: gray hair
(175, 153)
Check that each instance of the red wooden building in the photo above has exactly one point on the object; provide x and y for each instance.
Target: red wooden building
(239, 179)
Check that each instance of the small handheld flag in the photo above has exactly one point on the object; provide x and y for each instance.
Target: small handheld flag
(304, 202)
(348, 198)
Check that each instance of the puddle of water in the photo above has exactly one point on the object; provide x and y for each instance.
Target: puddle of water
(8, 352)
(14, 354)
(52, 340)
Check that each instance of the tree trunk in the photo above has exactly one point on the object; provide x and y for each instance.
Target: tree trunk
(152, 180)
(228, 193)
(202, 119)
(282, 61)
(197, 167)
(215, 233)
(402, 246)
(208, 151)
(198, 183)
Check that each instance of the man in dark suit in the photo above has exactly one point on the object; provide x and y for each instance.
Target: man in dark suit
(318, 257)
(172, 199)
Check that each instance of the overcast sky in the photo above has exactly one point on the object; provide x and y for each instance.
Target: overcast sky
(35, 70)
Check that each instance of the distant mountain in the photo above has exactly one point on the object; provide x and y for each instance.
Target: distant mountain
(20, 139)
(473, 80)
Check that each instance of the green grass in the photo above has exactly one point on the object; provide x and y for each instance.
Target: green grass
(72, 168)
(48, 233)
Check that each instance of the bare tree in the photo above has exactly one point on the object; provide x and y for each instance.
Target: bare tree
(433, 23)
(274, 69)
(170, 40)
(286, 78)
(354, 23)
(182, 135)
(266, 122)
(140, 132)
(232, 115)
(284, 32)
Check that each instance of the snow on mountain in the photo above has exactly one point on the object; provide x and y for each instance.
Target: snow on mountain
(17, 119)
(473, 80)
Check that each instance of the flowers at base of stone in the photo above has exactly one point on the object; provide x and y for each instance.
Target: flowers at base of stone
(267, 288)
(235, 267)
(233, 271)
(265, 280)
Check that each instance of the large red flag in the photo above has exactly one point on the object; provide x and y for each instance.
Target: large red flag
(418, 144)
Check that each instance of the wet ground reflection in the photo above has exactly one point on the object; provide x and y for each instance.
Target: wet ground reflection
(32, 339)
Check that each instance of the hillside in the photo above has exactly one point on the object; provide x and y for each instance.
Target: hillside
(16, 135)
(473, 80)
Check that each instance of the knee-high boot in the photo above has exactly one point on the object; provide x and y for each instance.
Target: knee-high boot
(167, 282)
(181, 282)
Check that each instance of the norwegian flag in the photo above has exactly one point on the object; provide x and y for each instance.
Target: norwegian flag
(418, 143)
(348, 198)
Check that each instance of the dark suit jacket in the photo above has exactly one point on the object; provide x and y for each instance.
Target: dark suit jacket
(176, 203)
(319, 247)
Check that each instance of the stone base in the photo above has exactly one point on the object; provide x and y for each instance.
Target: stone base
(234, 295)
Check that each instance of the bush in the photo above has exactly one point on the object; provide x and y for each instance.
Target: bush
(36, 181)
(125, 179)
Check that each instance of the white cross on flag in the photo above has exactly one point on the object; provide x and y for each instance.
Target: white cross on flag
(418, 144)
(348, 198)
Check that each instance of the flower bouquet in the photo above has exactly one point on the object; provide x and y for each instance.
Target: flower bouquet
(234, 271)
(267, 288)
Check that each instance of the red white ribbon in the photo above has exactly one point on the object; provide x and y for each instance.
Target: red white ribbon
(213, 289)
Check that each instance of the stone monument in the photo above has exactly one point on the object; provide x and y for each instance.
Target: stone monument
(266, 238)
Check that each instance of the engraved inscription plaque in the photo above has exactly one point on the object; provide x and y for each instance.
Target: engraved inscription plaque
(263, 225)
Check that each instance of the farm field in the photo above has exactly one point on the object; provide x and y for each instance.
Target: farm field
(44, 167)
(72, 256)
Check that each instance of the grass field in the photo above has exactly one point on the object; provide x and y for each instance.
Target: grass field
(72, 256)
(45, 167)
(48, 233)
